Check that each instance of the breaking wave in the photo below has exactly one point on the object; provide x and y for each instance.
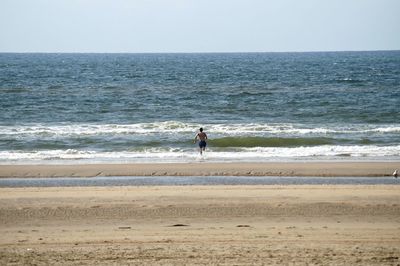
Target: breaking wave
(257, 154)
(181, 128)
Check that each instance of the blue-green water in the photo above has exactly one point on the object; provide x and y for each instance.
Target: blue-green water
(148, 107)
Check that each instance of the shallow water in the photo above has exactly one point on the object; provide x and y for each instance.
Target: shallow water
(192, 180)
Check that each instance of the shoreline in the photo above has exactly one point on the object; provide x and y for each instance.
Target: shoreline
(320, 169)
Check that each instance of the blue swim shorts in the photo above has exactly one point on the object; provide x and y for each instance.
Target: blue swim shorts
(202, 144)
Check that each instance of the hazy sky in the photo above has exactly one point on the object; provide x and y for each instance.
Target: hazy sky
(198, 25)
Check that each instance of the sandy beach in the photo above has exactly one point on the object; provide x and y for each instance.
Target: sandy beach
(186, 225)
(199, 133)
(204, 169)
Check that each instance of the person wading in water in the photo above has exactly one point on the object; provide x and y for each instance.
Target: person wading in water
(202, 136)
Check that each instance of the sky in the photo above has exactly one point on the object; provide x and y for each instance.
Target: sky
(155, 26)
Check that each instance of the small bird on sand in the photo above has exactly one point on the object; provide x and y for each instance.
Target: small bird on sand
(395, 173)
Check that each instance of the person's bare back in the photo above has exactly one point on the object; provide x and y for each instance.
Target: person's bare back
(202, 136)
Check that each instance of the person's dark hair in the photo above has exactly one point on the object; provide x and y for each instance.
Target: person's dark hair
(201, 129)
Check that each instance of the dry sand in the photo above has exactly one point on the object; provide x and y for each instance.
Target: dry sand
(186, 225)
(202, 169)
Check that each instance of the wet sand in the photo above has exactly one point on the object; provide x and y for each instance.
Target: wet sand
(186, 225)
(204, 169)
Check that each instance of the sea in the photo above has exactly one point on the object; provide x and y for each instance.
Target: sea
(254, 107)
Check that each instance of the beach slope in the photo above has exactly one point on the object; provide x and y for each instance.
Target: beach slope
(186, 225)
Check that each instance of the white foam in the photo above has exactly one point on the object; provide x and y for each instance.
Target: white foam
(176, 127)
(188, 155)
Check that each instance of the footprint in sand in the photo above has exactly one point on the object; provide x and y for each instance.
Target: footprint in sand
(124, 227)
(177, 225)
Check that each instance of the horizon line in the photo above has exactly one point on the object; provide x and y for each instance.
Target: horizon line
(210, 52)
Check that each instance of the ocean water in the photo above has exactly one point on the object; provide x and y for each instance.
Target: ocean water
(119, 108)
(191, 180)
